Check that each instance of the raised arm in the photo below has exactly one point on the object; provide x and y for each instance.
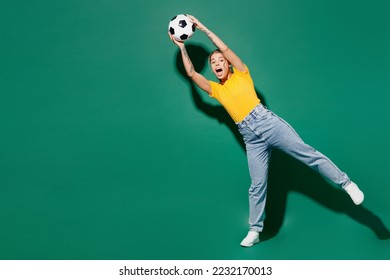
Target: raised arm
(226, 51)
(197, 78)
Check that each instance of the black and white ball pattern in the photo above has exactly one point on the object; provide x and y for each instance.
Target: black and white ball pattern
(181, 27)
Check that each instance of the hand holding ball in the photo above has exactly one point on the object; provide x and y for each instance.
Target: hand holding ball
(181, 27)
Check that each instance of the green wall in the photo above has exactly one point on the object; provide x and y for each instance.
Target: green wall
(108, 152)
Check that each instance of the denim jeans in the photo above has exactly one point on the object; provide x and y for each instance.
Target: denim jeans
(263, 130)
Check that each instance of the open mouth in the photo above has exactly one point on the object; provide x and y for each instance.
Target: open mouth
(218, 70)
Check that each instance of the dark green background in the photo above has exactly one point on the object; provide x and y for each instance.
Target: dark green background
(106, 152)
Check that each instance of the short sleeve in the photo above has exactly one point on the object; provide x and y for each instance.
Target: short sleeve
(241, 73)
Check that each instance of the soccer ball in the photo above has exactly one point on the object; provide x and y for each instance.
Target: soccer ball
(181, 27)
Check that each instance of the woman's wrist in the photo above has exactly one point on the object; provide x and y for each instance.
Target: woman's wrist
(206, 31)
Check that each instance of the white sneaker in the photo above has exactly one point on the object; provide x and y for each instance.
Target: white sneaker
(251, 239)
(355, 193)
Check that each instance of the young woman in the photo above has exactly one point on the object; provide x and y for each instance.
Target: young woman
(260, 128)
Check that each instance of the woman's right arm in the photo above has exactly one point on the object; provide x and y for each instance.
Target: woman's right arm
(197, 78)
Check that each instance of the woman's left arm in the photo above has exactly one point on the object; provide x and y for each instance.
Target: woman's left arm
(226, 51)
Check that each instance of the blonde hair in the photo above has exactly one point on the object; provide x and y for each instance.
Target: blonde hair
(214, 52)
(217, 51)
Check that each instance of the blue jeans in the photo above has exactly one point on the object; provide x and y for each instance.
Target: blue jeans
(263, 130)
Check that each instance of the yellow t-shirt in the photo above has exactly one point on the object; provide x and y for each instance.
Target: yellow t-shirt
(237, 95)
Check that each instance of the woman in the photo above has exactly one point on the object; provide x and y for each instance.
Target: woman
(260, 128)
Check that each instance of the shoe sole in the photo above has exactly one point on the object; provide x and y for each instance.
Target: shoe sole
(250, 245)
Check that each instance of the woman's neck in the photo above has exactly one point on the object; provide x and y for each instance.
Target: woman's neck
(226, 78)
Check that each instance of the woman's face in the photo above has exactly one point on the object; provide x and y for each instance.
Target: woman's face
(220, 66)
